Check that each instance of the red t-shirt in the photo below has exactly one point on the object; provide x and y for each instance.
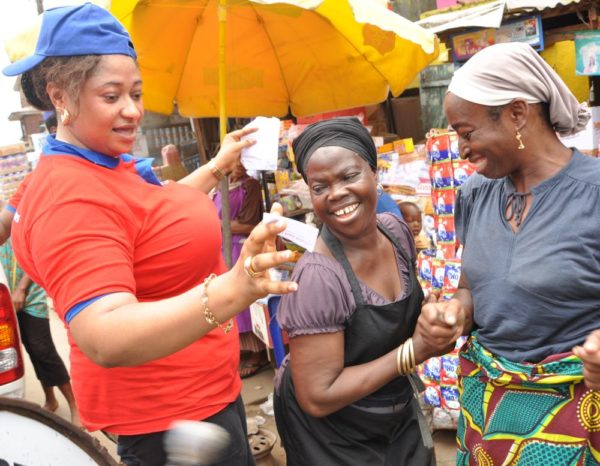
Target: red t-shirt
(84, 230)
(14, 200)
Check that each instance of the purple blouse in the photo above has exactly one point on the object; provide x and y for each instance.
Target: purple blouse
(324, 298)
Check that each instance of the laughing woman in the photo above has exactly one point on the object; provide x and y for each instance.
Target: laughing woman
(134, 267)
(530, 370)
(343, 396)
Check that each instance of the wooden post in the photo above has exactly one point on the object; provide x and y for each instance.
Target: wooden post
(200, 140)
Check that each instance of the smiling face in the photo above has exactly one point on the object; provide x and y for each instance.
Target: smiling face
(488, 142)
(109, 108)
(343, 189)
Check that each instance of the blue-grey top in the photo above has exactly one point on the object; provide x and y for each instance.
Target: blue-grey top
(536, 292)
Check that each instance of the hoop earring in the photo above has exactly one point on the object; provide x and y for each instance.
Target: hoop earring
(521, 146)
(65, 117)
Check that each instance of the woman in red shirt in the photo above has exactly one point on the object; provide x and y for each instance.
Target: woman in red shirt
(134, 267)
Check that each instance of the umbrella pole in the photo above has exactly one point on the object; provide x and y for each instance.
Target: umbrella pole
(225, 210)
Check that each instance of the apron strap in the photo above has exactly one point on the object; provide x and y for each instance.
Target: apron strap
(337, 250)
(417, 385)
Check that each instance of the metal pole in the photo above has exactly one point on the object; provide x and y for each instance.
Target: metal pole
(225, 210)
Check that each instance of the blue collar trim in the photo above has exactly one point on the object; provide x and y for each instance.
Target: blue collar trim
(143, 165)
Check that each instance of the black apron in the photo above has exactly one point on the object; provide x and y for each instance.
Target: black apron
(382, 428)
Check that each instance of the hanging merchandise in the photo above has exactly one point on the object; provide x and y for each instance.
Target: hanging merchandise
(439, 272)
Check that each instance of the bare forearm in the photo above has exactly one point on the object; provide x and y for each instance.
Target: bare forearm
(201, 178)
(352, 384)
(6, 217)
(24, 282)
(153, 329)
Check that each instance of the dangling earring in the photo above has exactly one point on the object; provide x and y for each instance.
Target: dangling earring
(521, 146)
(379, 189)
(65, 117)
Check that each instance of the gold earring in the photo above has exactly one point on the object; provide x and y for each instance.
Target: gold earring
(520, 140)
(65, 117)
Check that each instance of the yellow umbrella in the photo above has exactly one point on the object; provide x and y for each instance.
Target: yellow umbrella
(303, 56)
(245, 58)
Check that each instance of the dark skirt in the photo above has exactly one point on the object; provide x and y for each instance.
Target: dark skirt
(349, 436)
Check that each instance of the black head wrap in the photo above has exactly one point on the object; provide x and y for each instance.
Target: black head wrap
(348, 133)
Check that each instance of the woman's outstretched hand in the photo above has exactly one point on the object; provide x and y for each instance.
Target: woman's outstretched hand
(229, 154)
(589, 353)
(259, 255)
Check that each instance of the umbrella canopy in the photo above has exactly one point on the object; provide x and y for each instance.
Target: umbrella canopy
(298, 56)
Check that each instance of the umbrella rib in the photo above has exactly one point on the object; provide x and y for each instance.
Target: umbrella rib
(189, 49)
(262, 21)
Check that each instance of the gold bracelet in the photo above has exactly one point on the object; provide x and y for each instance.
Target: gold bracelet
(208, 315)
(217, 173)
(405, 359)
(410, 364)
(398, 356)
(413, 362)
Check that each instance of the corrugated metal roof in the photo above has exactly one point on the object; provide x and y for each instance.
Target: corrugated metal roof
(486, 15)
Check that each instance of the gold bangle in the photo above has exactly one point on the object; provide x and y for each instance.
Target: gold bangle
(398, 356)
(217, 173)
(405, 359)
(409, 358)
(413, 362)
(208, 315)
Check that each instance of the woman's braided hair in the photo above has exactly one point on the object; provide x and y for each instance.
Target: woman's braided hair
(68, 73)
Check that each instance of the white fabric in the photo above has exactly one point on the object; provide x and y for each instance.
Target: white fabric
(488, 15)
(503, 72)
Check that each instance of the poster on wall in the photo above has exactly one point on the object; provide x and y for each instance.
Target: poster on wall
(587, 53)
(527, 30)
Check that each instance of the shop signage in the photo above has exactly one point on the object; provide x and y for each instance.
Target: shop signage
(528, 30)
(587, 53)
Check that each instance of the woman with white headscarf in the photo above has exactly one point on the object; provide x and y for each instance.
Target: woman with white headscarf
(529, 294)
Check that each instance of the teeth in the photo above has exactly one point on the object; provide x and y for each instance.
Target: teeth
(346, 210)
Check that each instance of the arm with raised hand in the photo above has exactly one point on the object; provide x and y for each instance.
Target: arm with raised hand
(207, 176)
(159, 328)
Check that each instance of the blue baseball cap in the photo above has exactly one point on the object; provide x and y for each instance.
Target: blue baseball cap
(76, 30)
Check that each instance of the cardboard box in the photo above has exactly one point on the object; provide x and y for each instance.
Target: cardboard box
(259, 314)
